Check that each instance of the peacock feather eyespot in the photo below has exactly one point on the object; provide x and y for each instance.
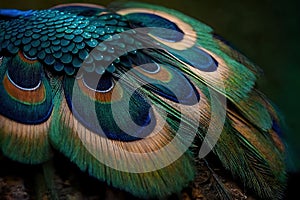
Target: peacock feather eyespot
(27, 58)
(128, 93)
(152, 68)
(24, 72)
(103, 84)
(29, 96)
(8, 78)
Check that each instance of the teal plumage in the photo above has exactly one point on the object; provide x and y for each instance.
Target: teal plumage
(129, 93)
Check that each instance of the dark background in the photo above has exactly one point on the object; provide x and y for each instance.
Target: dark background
(267, 31)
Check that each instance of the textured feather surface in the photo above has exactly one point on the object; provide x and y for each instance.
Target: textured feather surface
(120, 102)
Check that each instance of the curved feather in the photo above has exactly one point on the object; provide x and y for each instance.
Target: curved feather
(26, 100)
(126, 105)
(197, 38)
(250, 143)
(107, 158)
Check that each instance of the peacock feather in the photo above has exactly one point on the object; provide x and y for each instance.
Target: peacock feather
(133, 94)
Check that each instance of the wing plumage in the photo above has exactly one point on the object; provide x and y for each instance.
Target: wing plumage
(130, 106)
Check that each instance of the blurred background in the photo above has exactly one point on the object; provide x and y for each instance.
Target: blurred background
(266, 31)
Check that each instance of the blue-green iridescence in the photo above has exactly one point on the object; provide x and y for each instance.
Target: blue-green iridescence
(152, 20)
(62, 38)
(103, 122)
(15, 109)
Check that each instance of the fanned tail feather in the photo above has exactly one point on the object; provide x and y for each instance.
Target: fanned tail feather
(136, 123)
